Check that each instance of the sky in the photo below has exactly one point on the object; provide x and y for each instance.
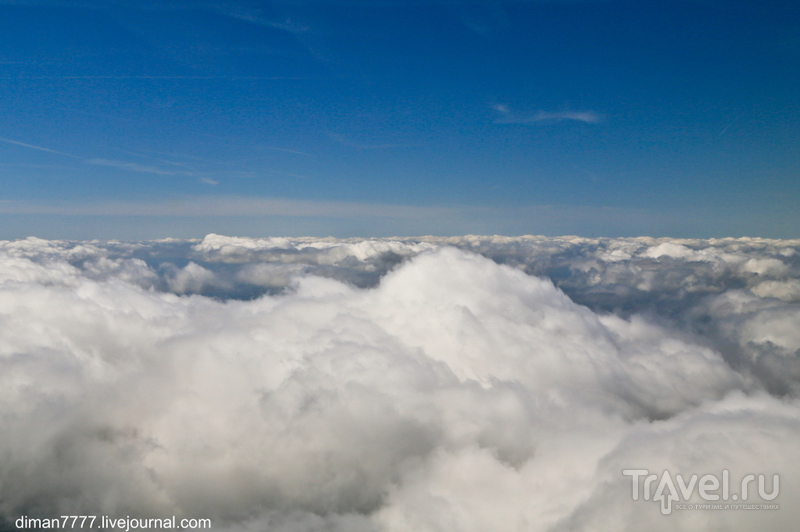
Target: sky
(135, 119)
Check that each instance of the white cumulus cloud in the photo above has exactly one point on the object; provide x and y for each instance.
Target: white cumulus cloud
(466, 383)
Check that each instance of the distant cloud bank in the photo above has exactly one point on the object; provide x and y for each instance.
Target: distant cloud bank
(466, 383)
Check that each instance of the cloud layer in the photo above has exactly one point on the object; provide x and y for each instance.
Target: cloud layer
(469, 383)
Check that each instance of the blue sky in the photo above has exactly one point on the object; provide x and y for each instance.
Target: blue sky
(144, 119)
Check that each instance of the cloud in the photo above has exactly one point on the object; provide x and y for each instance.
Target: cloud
(39, 148)
(395, 384)
(507, 116)
(129, 166)
(590, 117)
(135, 167)
(287, 150)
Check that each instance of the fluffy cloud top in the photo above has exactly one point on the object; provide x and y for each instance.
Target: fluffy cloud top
(469, 383)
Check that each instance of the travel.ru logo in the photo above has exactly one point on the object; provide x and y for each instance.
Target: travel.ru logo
(708, 487)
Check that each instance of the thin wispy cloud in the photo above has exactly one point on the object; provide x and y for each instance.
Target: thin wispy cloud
(298, 152)
(135, 167)
(181, 156)
(157, 159)
(40, 148)
(132, 167)
(508, 116)
(288, 173)
(256, 17)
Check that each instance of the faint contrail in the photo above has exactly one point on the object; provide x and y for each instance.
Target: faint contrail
(39, 148)
(288, 151)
